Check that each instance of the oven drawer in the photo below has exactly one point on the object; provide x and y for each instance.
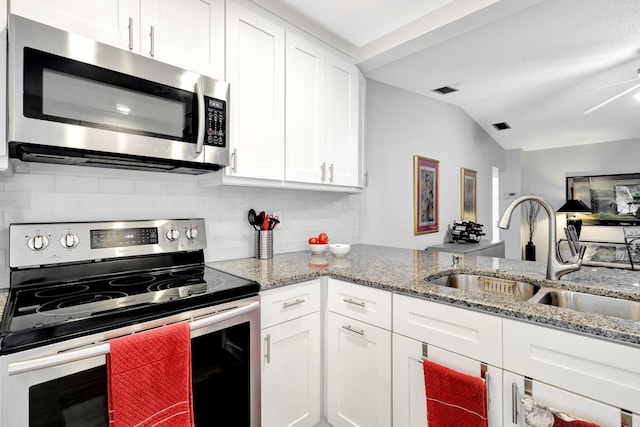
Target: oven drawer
(289, 302)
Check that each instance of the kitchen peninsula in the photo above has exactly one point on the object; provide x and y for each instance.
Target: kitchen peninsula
(404, 271)
(375, 310)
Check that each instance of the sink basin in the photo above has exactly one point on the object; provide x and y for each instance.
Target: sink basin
(588, 303)
(519, 291)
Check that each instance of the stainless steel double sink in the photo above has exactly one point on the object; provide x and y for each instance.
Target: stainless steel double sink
(524, 291)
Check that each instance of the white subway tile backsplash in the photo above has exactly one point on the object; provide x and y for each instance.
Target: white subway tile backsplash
(151, 188)
(116, 186)
(76, 184)
(15, 201)
(104, 202)
(29, 183)
(47, 193)
(54, 201)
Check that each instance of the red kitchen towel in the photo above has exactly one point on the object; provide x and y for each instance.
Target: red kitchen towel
(575, 423)
(150, 378)
(453, 398)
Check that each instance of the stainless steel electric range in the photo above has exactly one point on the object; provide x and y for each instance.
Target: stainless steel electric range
(75, 286)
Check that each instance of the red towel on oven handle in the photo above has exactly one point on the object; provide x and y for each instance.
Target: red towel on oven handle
(454, 398)
(149, 378)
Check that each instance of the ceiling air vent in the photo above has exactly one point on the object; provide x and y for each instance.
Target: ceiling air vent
(501, 126)
(445, 90)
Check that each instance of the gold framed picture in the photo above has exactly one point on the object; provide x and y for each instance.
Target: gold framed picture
(425, 195)
(469, 193)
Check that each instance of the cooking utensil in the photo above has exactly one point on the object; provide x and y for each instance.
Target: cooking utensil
(258, 221)
(273, 222)
(252, 219)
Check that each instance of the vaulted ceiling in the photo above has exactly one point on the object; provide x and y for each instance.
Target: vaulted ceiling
(537, 65)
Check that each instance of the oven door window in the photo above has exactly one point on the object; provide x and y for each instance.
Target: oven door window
(77, 400)
(220, 381)
(64, 90)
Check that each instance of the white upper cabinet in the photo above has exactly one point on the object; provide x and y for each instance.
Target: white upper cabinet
(342, 121)
(322, 116)
(188, 34)
(255, 72)
(305, 128)
(106, 21)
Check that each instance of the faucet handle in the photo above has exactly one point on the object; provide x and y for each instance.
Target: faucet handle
(583, 249)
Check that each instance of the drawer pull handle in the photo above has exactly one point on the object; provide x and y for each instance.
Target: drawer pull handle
(514, 403)
(350, 301)
(291, 304)
(355, 331)
(267, 354)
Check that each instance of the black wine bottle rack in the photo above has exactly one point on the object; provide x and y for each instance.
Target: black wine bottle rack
(466, 231)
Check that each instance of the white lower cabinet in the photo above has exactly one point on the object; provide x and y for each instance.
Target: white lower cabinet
(358, 373)
(409, 396)
(556, 398)
(291, 373)
(374, 346)
(586, 377)
(291, 362)
(358, 388)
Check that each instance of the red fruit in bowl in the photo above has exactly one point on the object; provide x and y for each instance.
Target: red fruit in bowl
(313, 241)
(323, 238)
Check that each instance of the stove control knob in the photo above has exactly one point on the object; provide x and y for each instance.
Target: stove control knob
(192, 233)
(173, 234)
(38, 242)
(69, 241)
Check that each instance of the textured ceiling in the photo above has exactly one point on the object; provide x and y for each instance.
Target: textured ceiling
(538, 65)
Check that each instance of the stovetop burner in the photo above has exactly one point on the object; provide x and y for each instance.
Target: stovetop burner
(110, 288)
(99, 299)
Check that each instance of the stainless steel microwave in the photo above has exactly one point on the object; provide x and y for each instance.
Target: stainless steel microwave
(73, 100)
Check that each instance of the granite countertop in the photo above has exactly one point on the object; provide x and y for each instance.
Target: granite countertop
(404, 271)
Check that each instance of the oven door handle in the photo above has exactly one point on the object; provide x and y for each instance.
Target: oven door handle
(23, 366)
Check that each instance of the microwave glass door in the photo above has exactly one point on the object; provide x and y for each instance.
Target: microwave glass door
(68, 91)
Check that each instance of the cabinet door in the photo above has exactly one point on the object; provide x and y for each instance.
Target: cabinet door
(602, 370)
(255, 71)
(342, 121)
(305, 124)
(188, 34)
(106, 21)
(291, 373)
(409, 396)
(554, 397)
(362, 102)
(358, 373)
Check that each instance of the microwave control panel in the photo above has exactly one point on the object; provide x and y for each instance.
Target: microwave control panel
(215, 122)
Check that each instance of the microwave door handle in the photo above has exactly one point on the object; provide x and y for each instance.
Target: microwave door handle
(200, 136)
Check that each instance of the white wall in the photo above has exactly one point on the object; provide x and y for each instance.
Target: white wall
(47, 193)
(544, 172)
(511, 182)
(401, 124)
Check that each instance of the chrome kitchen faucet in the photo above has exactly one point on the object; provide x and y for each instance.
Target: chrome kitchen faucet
(555, 267)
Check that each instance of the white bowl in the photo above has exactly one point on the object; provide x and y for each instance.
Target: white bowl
(339, 249)
(318, 248)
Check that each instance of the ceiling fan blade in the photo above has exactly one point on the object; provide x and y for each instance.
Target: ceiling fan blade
(618, 83)
(613, 98)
